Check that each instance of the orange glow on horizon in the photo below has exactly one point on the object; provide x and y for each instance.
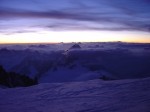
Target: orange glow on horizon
(75, 36)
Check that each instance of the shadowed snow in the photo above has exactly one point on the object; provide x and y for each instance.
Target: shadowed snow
(88, 96)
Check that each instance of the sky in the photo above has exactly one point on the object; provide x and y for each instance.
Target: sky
(38, 21)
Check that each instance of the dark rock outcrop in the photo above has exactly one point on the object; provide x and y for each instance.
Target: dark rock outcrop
(12, 79)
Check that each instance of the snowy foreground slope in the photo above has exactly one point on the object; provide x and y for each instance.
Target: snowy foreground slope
(132, 95)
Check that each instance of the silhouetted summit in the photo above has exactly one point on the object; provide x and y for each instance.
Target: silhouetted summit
(75, 46)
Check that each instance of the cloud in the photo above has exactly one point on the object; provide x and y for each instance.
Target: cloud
(106, 15)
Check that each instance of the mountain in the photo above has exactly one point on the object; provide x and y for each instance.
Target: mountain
(59, 63)
(75, 46)
(100, 77)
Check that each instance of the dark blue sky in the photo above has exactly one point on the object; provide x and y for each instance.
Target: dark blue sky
(19, 16)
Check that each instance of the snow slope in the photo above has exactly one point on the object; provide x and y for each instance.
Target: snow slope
(132, 95)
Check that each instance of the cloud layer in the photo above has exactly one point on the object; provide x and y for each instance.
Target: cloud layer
(112, 15)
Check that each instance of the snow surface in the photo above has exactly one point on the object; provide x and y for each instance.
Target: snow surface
(132, 95)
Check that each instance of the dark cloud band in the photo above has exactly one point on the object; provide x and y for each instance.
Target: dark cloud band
(128, 15)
